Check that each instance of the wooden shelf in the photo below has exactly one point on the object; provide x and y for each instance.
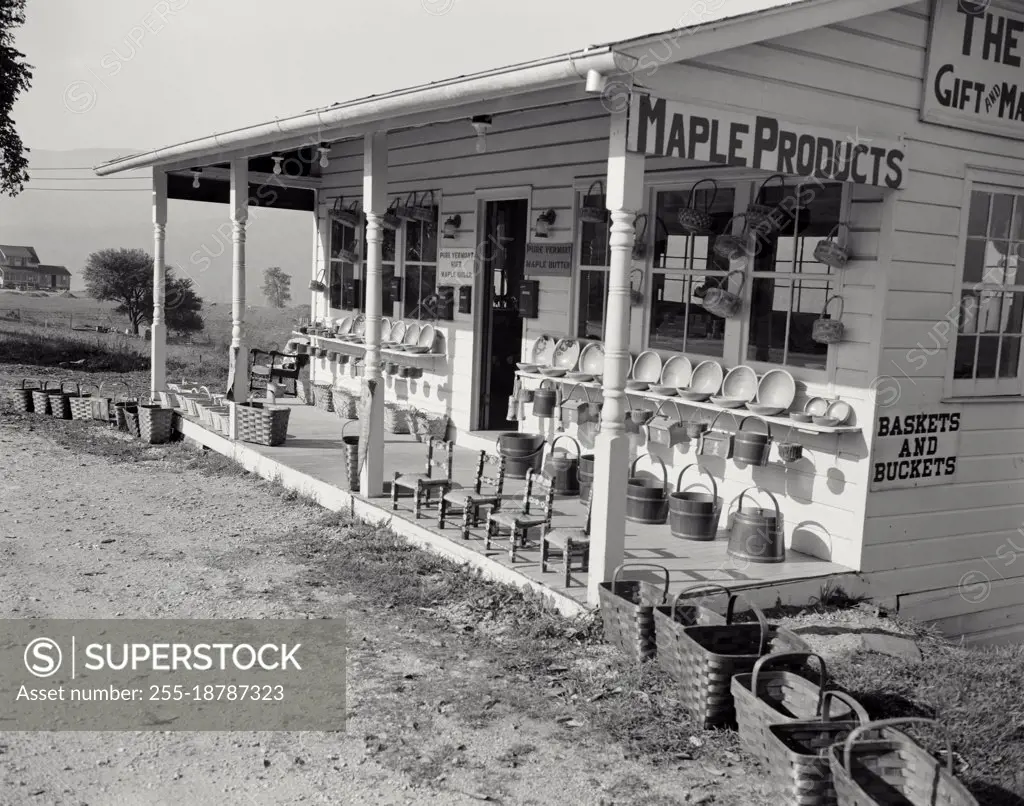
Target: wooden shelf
(351, 348)
(740, 412)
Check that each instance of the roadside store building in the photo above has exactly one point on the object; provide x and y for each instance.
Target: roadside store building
(896, 129)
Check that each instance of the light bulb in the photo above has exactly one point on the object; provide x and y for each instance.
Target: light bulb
(324, 161)
(277, 165)
(195, 179)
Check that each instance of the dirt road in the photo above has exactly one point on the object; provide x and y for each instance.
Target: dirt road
(437, 715)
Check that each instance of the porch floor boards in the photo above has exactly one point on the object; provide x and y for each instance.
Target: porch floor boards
(314, 448)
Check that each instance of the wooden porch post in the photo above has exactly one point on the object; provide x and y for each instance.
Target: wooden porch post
(375, 190)
(625, 183)
(158, 332)
(239, 217)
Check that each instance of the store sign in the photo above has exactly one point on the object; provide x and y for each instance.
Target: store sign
(455, 266)
(915, 447)
(665, 128)
(974, 78)
(548, 260)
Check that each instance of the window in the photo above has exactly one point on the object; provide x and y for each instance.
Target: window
(684, 265)
(788, 287)
(343, 257)
(987, 358)
(594, 260)
(420, 268)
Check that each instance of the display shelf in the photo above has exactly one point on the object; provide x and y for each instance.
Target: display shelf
(396, 356)
(810, 428)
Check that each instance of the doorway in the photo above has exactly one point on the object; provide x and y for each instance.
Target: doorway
(503, 250)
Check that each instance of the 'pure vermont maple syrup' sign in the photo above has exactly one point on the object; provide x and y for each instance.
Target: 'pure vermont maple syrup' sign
(915, 447)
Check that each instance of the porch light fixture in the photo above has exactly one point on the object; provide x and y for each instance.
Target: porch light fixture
(322, 149)
(195, 177)
(544, 222)
(277, 165)
(481, 125)
(451, 226)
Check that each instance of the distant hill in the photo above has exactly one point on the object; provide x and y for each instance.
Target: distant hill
(66, 213)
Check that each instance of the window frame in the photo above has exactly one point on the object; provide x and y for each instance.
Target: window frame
(986, 180)
(579, 191)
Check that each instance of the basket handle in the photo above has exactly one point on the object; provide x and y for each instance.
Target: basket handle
(642, 234)
(693, 191)
(764, 184)
(888, 723)
(775, 657)
(393, 206)
(846, 699)
(345, 426)
(579, 450)
(663, 569)
(598, 184)
(728, 224)
(714, 419)
(78, 389)
(743, 279)
(33, 381)
(714, 485)
(834, 232)
(758, 614)
(664, 470)
(767, 426)
(432, 200)
(658, 222)
(824, 309)
(691, 589)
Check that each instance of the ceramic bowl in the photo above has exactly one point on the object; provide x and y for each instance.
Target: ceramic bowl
(800, 416)
(592, 359)
(668, 391)
(637, 386)
(527, 367)
(677, 372)
(647, 367)
(741, 383)
(839, 409)
(826, 421)
(543, 351)
(707, 377)
(761, 410)
(417, 349)
(566, 354)
(553, 372)
(728, 402)
(816, 407)
(579, 377)
(776, 388)
(692, 396)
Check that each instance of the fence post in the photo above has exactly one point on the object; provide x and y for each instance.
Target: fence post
(71, 321)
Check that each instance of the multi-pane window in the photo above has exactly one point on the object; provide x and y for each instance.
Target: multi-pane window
(788, 287)
(594, 260)
(420, 268)
(343, 257)
(685, 265)
(987, 358)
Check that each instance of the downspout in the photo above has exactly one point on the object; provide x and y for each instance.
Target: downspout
(510, 81)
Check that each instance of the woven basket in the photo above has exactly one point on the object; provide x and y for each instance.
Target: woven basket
(732, 247)
(831, 251)
(705, 657)
(262, 423)
(765, 218)
(323, 397)
(41, 398)
(346, 404)
(60, 402)
(798, 767)
(670, 619)
(722, 303)
(131, 418)
(169, 399)
(430, 426)
(828, 331)
(395, 419)
(351, 446)
(219, 419)
(591, 214)
(764, 698)
(155, 423)
(692, 220)
(627, 610)
(887, 767)
(21, 398)
(81, 407)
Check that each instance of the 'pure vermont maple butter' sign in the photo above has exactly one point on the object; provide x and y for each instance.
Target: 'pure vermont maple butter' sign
(915, 447)
(665, 128)
(975, 75)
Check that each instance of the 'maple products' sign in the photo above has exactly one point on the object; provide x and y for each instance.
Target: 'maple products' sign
(975, 77)
(674, 129)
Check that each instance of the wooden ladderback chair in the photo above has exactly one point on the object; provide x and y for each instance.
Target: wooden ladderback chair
(571, 542)
(534, 511)
(266, 366)
(437, 476)
(486, 491)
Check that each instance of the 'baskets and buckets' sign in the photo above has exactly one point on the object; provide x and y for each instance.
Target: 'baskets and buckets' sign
(675, 129)
(974, 78)
(915, 447)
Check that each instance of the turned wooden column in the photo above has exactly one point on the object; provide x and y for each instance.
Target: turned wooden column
(239, 218)
(158, 331)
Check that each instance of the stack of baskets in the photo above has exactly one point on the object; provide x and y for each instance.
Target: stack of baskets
(627, 609)
(346, 404)
(262, 423)
(323, 397)
(396, 418)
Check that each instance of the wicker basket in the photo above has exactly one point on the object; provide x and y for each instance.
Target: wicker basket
(351, 446)
(155, 423)
(169, 399)
(21, 398)
(323, 397)
(670, 619)
(799, 769)
(429, 426)
(692, 220)
(721, 302)
(60, 401)
(41, 398)
(889, 767)
(705, 657)
(732, 247)
(262, 423)
(828, 331)
(219, 419)
(395, 419)
(81, 407)
(131, 419)
(831, 251)
(346, 404)
(790, 451)
(627, 610)
(764, 698)
(591, 214)
(765, 218)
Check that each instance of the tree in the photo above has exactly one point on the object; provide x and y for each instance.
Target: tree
(277, 287)
(15, 78)
(182, 305)
(124, 276)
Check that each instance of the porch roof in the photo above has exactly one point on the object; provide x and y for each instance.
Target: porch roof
(728, 24)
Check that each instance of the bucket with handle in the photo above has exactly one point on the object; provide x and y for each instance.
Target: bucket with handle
(694, 515)
(756, 534)
(647, 498)
(563, 467)
(522, 452)
(545, 400)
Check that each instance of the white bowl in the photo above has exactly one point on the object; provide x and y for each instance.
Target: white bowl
(707, 377)
(677, 372)
(840, 410)
(776, 388)
(740, 382)
(647, 367)
(728, 402)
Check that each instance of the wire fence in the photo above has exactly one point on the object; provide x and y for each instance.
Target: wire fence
(97, 320)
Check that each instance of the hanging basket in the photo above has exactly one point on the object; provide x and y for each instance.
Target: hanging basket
(317, 286)
(765, 219)
(694, 221)
(350, 216)
(395, 419)
(828, 331)
(730, 246)
(831, 251)
(790, 451)
(391, 220)
(155, 424)
(594, 214)
(21, 398)
(721, 302)
(349, 254)
(423, 209)
(627, 611)
(262, 423)
(640, 237)
(405, 210)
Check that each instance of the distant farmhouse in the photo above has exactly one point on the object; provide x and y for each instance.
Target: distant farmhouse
(20, 269)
